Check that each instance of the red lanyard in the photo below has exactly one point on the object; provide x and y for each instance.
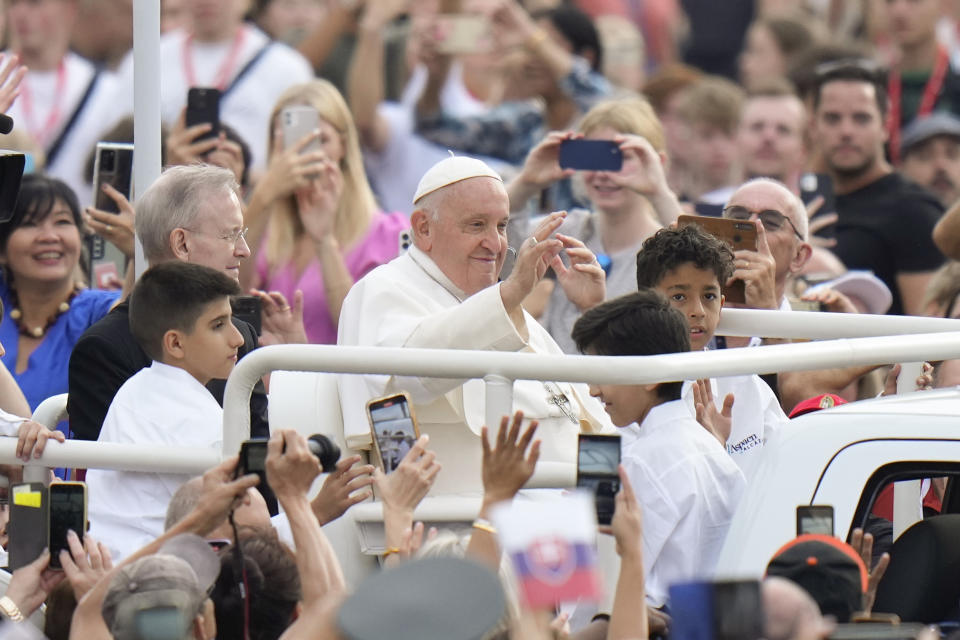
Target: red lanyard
(226, 70)
(930, 94)
(42, 134)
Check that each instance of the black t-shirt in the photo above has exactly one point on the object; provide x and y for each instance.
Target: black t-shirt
(886, 227)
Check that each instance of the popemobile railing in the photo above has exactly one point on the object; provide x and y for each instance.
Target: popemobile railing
(889, 339)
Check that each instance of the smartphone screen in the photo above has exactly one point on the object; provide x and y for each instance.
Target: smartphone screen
(591, 155)
(12, 167)
(597, 460)
(815, 519)
(68, 510)
(394, 429)
(463, 33)
(203, 106)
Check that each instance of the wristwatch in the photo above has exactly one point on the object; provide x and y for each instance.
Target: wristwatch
(10, 610)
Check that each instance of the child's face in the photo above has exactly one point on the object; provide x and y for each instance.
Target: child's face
(626, 403)
(695, 293)
(210, 350)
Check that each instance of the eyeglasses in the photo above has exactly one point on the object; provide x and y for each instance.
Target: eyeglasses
(234, 237)
(771, 219)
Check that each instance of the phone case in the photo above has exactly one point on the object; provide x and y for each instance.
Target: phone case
(203, 106)
(590, 155)
(736, 234)
(29, 529)
(373, 433)
(299, 121)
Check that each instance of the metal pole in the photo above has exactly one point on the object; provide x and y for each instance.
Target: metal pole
(146, 103)
(907, 501)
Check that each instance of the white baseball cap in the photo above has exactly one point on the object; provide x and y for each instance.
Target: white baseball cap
(451, 170)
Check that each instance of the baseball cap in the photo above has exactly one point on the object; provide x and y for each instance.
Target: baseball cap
(174, 581)
(863, 286)
(451, 170)
(922, 129)
(827, 568)
(823, 401)
(449, 598)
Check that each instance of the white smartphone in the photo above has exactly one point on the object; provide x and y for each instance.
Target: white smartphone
(299, 121)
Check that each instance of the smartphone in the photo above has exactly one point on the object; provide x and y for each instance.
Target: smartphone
(203, 107)
(29, 531)
(463, 34)
(68, 510)
(113, 164)
(248, 309)
(726, 610)
(12, 166)
(393, 427)
(877, 631)
(591, 155)
(253, 459)
(815, 519)
(598, 457)
(737, 234)
(299, 121)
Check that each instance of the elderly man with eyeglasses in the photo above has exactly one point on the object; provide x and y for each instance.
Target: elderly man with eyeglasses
(190, 213)
(782, 247)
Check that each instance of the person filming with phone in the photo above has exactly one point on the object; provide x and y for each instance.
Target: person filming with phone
(444, 293)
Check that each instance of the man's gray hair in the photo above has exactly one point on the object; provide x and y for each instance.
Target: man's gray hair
(175, 200)
(798, 211)
(183, 501)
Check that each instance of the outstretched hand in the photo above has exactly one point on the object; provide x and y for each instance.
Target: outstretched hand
(719, 422)
(510, 464)
(342, 489)
(585, 282)
(862, 543)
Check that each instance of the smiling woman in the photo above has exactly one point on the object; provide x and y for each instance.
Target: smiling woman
(46, 307)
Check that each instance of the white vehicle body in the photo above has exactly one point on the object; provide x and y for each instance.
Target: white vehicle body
(826, 458)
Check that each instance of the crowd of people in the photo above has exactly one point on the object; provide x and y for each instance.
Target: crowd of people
(430, 203)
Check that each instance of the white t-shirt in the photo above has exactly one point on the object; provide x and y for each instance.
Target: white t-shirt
(40, 104)
(160, 405)
(248, 105)
(688, 489)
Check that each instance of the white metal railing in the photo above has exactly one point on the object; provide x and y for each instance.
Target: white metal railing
(500, 369)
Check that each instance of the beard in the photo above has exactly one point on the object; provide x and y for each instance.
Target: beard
(851, 172)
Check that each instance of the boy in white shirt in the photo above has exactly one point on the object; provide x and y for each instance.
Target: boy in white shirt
(686, 484)
(688, 266)
(180, 316)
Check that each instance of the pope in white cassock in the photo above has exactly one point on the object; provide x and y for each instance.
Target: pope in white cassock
(444, 294)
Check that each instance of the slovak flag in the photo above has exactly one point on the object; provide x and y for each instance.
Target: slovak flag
(551, 541)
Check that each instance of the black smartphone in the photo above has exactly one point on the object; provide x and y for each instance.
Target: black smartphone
(248, 308)
(29, 529)
(68, 510)
(598, 457)
(203, 107)
(11, 172)
(393, 427)
(253, 459)
(113, 165)
(590, 155)
(815, 519)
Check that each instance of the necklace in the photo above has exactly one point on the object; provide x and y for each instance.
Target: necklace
(38, 332)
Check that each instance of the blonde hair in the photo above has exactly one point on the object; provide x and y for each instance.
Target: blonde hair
(632, 115)
(357, 205)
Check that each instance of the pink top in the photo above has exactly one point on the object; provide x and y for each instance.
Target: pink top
(381, 244)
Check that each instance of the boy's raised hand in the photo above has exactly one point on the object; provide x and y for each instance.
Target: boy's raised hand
(758, 271)
(718, 422)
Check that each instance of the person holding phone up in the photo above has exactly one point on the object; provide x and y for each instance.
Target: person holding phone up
(313, 215)
(629, 204)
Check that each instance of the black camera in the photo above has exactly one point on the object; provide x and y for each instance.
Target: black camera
(253, 455)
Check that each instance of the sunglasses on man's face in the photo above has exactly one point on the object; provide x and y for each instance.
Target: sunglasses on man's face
(771, 219)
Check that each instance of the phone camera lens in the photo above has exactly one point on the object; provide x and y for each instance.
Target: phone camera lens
(108, 160)
(326, 451)
(738, 239)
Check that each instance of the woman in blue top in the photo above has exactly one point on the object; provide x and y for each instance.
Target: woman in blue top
(45, 305)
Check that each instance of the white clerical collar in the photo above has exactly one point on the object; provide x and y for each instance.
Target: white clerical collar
(430, 267)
